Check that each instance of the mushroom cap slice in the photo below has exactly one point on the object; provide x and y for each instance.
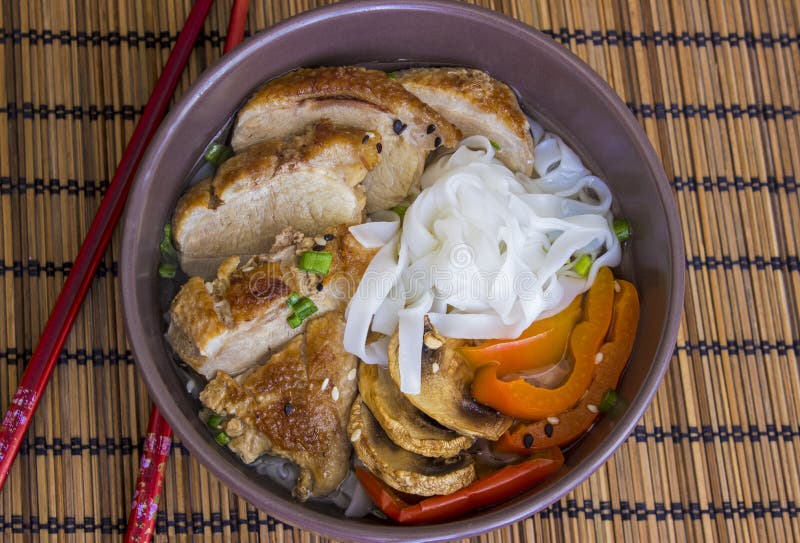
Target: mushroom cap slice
(406, 425)
(402, 469)
(445, 390)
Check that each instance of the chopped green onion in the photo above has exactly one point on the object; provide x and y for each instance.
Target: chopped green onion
(214, 421)
(301, 310)
(609, 401)
(218, 153)
(293, 299)
(294, 321)
(495, 144)
(307, 312)
(583, 265)
(304, 308)
(391, 75)
(318, 262)
(222, 438)
(166, 247)
(167, 270)
(400, 210)
(622, 229)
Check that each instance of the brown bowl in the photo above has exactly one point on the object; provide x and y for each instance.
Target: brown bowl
(554, 86)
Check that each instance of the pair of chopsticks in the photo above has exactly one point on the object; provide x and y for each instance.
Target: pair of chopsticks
(37, 373)
(158, 441)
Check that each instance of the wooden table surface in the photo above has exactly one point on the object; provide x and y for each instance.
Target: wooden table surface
(715, 86)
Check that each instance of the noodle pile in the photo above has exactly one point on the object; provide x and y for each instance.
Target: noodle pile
(482, 251)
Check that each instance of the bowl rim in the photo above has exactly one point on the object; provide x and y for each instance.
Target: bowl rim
(488, 520)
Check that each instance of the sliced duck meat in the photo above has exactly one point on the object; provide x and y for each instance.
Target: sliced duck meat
(351, 96)
(477, 104)
(295, 405)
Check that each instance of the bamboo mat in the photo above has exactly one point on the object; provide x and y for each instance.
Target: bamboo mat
(715, 86)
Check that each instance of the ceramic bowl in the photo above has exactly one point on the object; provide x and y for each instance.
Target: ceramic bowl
(553, 85)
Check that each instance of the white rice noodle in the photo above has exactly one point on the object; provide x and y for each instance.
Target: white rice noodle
(482, 251)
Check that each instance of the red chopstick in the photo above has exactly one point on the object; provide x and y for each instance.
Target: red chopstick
(37, 373)
(159, 435)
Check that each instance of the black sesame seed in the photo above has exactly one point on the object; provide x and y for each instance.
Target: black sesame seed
(379, 147)
(318, 247)
(287, 409)
(528, 441)
(366, 139)
(548, 429)
(437, 142)
(329, 237)
(399, 126)
(319, 287)
(431, 128)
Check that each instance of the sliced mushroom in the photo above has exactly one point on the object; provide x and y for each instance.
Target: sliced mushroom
(401, 469)
(445, 394)
(406, 425)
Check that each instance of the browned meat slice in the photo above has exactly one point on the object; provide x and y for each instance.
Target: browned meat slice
(234, 321)
(351, 96)
(309, 182)
(296, 405)
(477, 104)
(445, 394)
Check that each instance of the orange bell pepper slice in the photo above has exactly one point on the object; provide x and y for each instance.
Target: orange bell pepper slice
(542, 344)
(522, 400)
(501, 485)
(576, 421)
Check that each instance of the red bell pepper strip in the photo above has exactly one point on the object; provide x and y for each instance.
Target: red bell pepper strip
(542, 344)
(576, 421)
(501, 485)
(522, 400)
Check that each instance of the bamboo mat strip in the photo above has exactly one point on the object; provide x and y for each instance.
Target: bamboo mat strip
(715, 86)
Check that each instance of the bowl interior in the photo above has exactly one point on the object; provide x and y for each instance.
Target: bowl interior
(554, 86)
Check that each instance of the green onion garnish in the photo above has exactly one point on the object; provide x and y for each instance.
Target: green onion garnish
(609, 401)
(294, 321)
(214, 421)
(495, 144)
(301, 310)
(167, 270)
(218, 153)
(304, 308)
(293, 299)
(222, 438)
(400, 210)
(583, 265)
(622, 229)
(166, 247)
(318, 262)
(391, 75)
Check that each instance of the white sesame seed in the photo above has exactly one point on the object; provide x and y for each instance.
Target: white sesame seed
(351, 375)
(319, 240)
(553, 420)
(432, 342)
(435, 367)
(598, 358)
(325, 383)
(617, 288)
(335, 393)
(592, 408)
(356, 435)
